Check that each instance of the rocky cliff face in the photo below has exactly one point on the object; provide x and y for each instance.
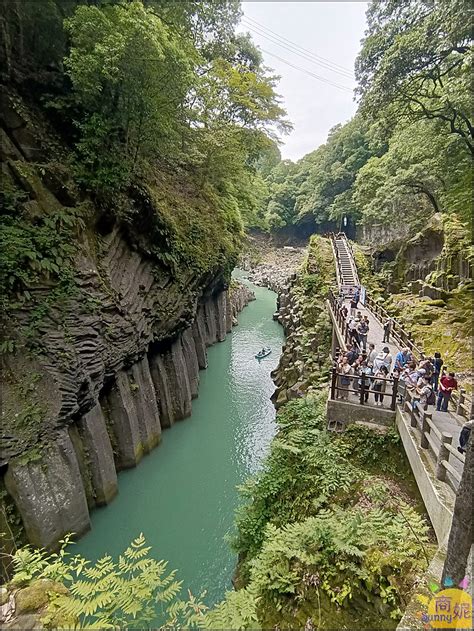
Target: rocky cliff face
(121, 420)
(104, 345)
(435, 260)
(303, 364)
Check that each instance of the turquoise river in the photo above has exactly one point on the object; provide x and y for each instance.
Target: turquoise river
(183, 495)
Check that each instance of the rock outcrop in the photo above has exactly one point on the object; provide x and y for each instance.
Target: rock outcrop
(277, 267)
(304, 362)
(54, 488)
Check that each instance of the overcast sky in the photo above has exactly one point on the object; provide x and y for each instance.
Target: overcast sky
(329, 30)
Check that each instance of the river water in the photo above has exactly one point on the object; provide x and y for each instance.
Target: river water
(183, 495)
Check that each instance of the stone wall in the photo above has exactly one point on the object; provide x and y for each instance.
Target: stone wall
(77, 470)
(302, 368)
(380, 235)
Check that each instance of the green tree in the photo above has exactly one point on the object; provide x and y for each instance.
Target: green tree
(108, 594)
(130, 77)
(423, 171)
(416, 62)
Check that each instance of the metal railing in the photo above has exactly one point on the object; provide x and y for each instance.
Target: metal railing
(363, 388)
(339, 271)
(436, 442)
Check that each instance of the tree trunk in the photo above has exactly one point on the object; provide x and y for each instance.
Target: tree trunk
(461, 535)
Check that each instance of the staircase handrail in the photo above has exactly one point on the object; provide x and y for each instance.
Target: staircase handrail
(343, 236)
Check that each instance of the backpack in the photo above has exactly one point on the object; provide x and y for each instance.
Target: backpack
(431, 398)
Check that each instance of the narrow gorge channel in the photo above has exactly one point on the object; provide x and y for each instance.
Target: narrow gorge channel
(183, 495)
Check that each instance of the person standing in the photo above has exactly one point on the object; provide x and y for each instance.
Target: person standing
(352, 354)
(388, 358)
(383, 359)
(427, 365)
(437, 365)
(447, 384)
(372, 354)
(353, 331)
(363, 371)
(380, 384)
(402, 358)
(354, 303)
(363, 331)
(387, 328)
(345, 372)
(424, 389)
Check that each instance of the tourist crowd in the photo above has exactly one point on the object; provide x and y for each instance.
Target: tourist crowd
(427, 380)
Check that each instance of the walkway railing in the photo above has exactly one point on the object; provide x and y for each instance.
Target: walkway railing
(438, 443)
(338, 317)
(397, 332)
(459, 402)
(343, 288)
(363, 388)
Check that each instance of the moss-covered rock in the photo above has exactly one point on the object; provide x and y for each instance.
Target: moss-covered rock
(37, 595)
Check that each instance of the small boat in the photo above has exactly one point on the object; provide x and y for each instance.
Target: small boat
(265, 352)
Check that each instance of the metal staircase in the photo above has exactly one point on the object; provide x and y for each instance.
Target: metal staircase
(347, 277)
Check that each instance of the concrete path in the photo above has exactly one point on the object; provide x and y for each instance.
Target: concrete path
(347, 277)
(444, 421)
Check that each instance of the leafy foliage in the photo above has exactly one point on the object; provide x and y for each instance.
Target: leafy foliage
(416, 61)
(346, 552)
(159, 112)
(34, 250)
(319, 529)
(108, 594)
(407, 152)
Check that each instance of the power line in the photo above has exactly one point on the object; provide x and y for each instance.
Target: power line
(331, 64)
(288, 41)
(308, 72)
(296, 52)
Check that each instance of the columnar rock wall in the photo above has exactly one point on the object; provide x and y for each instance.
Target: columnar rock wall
(301, 369)
(55, 489)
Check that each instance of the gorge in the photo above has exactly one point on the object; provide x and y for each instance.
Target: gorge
(184, 494)
(149, 211)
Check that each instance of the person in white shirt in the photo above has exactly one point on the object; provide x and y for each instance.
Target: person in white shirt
(383, 359)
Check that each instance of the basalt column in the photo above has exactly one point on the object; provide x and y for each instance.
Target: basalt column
(49, 493)
(210, 322)
(199, 336)
(228, 312)
(123, 421)
(220, 311)
(178, 381)
(100, 457)
(192, 363)
(145, 400)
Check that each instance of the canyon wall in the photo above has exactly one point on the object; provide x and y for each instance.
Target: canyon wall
(76, 469)
(111, 303)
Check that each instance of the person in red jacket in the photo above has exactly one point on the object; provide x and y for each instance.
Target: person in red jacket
(447, 384)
